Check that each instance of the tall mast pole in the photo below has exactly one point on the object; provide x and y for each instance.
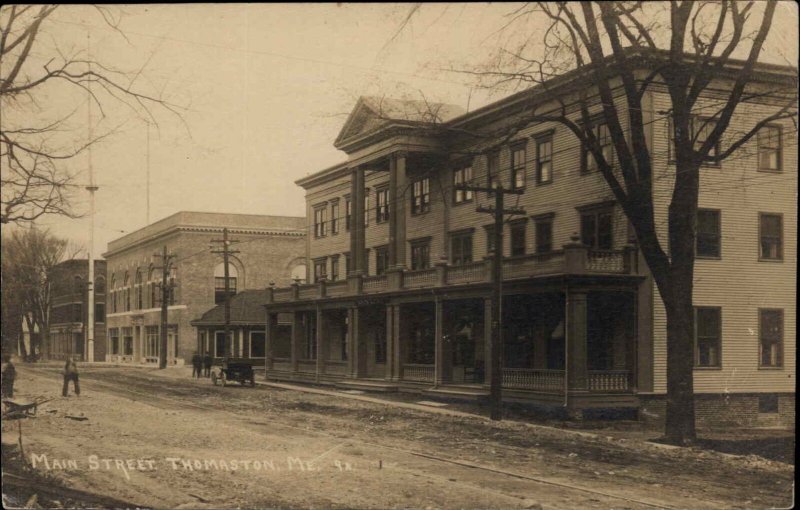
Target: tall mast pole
(91, 188)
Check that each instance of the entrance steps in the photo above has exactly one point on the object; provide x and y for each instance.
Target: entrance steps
(376, 385)
(469, 392)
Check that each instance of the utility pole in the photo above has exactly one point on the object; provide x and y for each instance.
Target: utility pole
(499, 212)
(166, 290)
(226, 252)
(91, 188)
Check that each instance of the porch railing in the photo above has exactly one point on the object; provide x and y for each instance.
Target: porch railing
(417, 372)
(282, 364)
(336, 367)
(609, 380)
(533, 379)
(374, 283)
(307, 366)
(468, 273)
(605, 261)
(420, 278)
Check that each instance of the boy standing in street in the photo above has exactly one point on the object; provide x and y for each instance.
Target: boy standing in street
(71, 374)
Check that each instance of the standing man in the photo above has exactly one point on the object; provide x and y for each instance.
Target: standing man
(197, 366)
(207, 365)
(8, 376)
(71, 374)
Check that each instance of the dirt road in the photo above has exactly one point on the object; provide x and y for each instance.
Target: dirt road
(158, 439)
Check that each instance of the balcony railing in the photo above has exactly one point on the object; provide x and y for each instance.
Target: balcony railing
(574, 259)
(417, 372)
(533, 379)
(337, 288)
(533, 265)
(374, 284)
(468, 273)
(605, 261)
(609, 380)
(419, 278)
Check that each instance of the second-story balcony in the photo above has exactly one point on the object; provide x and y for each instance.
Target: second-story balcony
(574, 259)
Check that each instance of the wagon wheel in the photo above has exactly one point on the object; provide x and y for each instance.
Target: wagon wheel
(214, 378)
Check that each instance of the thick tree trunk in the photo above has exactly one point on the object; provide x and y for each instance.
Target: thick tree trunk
(680, 420)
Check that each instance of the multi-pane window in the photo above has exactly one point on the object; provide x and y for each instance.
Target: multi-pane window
(113, 337)
(708, 233)
(597, 229)
(770, 149)
(320, 269)
(544, 160)
(420, 255)
(113, 294)
(347, 263)
(604, 142)
(708, 336)
(770, 236)
(127, 341)
(382, 205)
(462, 176)
(127, 291)
(319, 222)
(348, 213)
(335, 218)
(461, 248)
(544, 235)
(77, 312)
(334, 268)
(518, 238)
(381, 259)
(771, 337)
(421, 196)
(518, 167)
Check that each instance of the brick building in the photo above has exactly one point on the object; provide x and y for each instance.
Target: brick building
(271, 249)
(68, 310)
(399, 292)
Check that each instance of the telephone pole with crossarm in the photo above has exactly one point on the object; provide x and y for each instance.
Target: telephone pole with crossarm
(499, 212)
(226, 252)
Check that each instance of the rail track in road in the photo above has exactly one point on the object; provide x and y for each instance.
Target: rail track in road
(153, 395)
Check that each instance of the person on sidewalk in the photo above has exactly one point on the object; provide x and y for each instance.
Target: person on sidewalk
(197, 366)
(207, 365)
(71, 374)
(8, 376)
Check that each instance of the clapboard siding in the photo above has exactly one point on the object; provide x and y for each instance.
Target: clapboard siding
(738, 282)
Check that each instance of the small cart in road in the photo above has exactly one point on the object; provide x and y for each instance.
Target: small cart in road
(240, 372)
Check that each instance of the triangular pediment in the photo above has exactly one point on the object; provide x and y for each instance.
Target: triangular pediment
(362, 120)
(370, 114)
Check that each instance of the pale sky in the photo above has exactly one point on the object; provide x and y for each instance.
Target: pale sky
(268, 88)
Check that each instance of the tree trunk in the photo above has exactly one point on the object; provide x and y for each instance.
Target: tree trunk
(680, 419)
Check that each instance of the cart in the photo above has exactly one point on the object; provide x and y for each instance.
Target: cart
(20, 409)
(239, 372)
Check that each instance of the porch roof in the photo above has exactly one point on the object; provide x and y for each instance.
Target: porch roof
(247, 307)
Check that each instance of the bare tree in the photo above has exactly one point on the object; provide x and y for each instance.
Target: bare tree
(34, 155)
(29, 257)
(596, 62)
